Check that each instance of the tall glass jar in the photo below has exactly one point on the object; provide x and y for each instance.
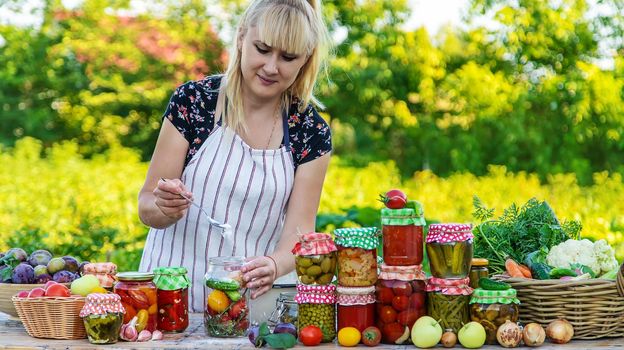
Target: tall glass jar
(478, 270)
(102, 315)
(138, 297)
(449, 248)
(227, 307)
(447, 301)
(317, 307)
(286, 309)
(355, 307)
(492, 308)
(357, 256)
(172, 284)
(315, 258)
(402, 236)
(105, 272)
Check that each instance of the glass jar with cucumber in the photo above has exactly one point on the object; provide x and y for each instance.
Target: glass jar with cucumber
(315, 258)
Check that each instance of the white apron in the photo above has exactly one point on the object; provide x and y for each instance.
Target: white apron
(236, 184)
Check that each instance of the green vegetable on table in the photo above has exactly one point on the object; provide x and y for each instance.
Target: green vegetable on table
(540, 271)
(559, 272)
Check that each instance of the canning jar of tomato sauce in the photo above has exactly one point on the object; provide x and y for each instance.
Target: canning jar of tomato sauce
(138, 297)
(402, 235)
(356, 307)
(172, 284)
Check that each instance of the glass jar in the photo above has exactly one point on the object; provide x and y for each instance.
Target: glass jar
(227, 310)
(492, 308)
(449, 248)
(355, 307)
(172, 284)
(138, 297)
(315, 258)
(286, 309)
(102, 315)
(105, 272)
(447, 301)
(401, 300)
(357, 256)
(478, 270)
(317, 308)
(402, 236)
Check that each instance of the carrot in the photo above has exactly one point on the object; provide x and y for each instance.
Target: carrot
(513, 268)
(526, 272)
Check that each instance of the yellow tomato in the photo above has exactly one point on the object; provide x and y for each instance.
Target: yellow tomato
(218, 301)
(349, 336)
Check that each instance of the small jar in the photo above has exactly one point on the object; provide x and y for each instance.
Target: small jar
(286, 309)
(357, 256)
(492, 308)
(227, 310)
(317, 307)
(447, 301)
(138, 297)
(105, 272)
(355, 307)
(172, 284)
(315, 258)
(102, 315)
(449, 248)
(478, 270)
(402, 236)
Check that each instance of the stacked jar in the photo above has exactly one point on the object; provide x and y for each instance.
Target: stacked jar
(492, 308)
(317, 305)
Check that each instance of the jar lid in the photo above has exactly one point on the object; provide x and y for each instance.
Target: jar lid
(447, 233)
(482, 296)
(449, 287)
(402, 273)
(479, 262)
(95, 268)
(101, 304)
(314, 243)
(135, 276)
(316, 294)
(355, 290)
(362, 237)
(403, 217)
(355, 295)
(171, 278)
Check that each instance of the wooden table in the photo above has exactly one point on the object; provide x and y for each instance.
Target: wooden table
(14, 336)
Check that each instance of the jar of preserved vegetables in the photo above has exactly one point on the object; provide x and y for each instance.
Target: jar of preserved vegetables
(105, 272)
(357, 256)
(172, 284)
(138, 297)
(317, 308)
(478, 270)
(492, 308)
(355, 307)
(449, 248)
(447, 301)
(402, 235)
(315, 258)
(286, 309)
(102, 315)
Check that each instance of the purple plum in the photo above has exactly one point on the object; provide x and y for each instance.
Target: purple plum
(40, 270)
(39, 257)
(71, 264)
(23, 274)
(64, 277)
(43, 278)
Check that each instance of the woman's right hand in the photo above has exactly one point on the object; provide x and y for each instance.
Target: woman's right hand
(168, 198)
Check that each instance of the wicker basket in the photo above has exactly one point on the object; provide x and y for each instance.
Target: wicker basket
(51, 317)
(7, 291)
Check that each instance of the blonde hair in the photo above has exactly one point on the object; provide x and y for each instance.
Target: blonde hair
(293, 26)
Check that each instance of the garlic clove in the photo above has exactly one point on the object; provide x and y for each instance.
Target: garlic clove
(145, 335)
(128, 331)
(157, 335)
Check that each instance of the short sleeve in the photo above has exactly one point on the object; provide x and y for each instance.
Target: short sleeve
(314, 137)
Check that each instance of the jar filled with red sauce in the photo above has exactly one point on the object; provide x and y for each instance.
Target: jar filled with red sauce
(402, 235)
(172, 284)
(356, 307)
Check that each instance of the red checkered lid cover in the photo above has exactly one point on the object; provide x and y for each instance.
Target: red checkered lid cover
(313, 294)
(449, 287)
(101, 304)
(314, 243)
(355, 295)
(402, 273)
(446, 233)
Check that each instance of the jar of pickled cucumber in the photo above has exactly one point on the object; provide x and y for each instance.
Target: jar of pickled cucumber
(492, 308)
(102, 315)
(357, 256)
(315, 258)
(478, 270)
(355, 307)
(448, 301)
(449, 248)
(317, 307)
(402, 235)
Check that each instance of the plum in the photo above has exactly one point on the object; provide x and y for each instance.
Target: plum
(81, 267)
(14, 253)
(39, 257)
(254, 337)
(40, 270)
(55, 265)
(43, 278)
(71, 264)
(286, 328)
(63, 277)
(23, 274)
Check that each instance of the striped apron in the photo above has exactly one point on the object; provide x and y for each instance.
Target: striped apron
(236, 184)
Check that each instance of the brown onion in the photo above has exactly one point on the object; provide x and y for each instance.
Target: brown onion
(560, 331)
(449, 339)
(509, 335)
(533, 334)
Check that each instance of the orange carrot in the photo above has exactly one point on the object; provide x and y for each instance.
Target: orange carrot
(513, 268)
(526, 272)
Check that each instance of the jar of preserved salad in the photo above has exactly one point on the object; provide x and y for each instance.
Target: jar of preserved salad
(286, 309)
(478, 270)
(402, 235)
(355, 307)
(492, 308)
(317, 308)
(315, 258)
(447, 301)
(105, 272)
(102, 315)
(172, 284)
(357, 256)
(449, 248)
(400, 295)
(138, 297)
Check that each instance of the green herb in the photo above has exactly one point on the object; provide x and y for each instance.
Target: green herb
(275, 340)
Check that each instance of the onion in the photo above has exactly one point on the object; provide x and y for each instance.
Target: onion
(533, 334)
(560, 331)
(509, 335)
(449, 339)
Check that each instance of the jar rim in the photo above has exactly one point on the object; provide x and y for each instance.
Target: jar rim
(226, 260)
(135, 276)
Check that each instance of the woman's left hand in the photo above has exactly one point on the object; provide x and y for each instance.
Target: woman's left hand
(259, 273)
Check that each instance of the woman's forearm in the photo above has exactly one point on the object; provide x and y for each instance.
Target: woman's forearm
(150, 214)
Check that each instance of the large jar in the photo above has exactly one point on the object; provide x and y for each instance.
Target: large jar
(447, 301)
(317, 307)
(492, 308)
(355, 307)
(449, 248)
(138, 297)
(227, 310)
(286, 309)
(105, 272)
(357, 256)
(172, 284)
(315, 258)
(402, 236)
(400, 295)
(478, 270)
(102, 315)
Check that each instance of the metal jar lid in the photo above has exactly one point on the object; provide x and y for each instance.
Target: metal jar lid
(135, 276)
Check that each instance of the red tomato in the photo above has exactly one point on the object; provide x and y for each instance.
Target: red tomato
(391, 332)
(402, 288)
(237, 308)
(243, 324)
(57, 290)
(385, 295)
(388, 314)
(371, 336)
(417, 301)
(407, 318)
(395, 202)
(400, 302)
(310, 335)
(396, 193)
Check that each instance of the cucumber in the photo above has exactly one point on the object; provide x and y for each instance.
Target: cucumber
(490, 284)
(559, 272)
(234, 295)
(223, 284)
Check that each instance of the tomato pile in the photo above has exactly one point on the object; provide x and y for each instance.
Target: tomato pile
(173, 310)
(399, 305)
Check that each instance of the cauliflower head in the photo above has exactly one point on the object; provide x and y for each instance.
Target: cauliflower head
(605, 255)
(573, 251)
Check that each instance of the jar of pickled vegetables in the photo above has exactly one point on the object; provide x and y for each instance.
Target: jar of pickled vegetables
(449, 248)
(478, 270)
(227, 306)
(317, 308)
(102, 315)
(315, 258)
(172, 284)
(357, 256)
(286, 309)
(355, 307)
(138, 297)
(105, 272)
(402, 236)
(492, 308)
(400, 295)
(447, 301)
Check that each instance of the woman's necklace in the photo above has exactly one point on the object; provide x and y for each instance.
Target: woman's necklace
(273, 128)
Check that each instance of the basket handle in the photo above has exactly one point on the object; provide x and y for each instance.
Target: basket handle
(619, 281)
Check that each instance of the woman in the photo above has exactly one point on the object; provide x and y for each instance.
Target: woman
(248, 147)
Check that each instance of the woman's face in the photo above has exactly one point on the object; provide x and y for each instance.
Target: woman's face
(267, 71)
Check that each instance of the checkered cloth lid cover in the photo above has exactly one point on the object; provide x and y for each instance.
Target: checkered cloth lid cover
(446, 233)
(101, 304)
(482, 296)
(171, 278)
(355, 295)
(314, 294)
(402, 217)
(402, 273)
(104, 271)
(449, 287)
(361, 237)
(314, 243)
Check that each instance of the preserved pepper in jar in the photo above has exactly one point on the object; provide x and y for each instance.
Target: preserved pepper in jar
(317, 308)
(492, 308)
(402, 235)
(102, 315)
(355, 307)
(105, 272)
(138, 297)
(447, 301)
(315, 258)
(172, 284)
(449, 248)
(357, 256)
(478, 270)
